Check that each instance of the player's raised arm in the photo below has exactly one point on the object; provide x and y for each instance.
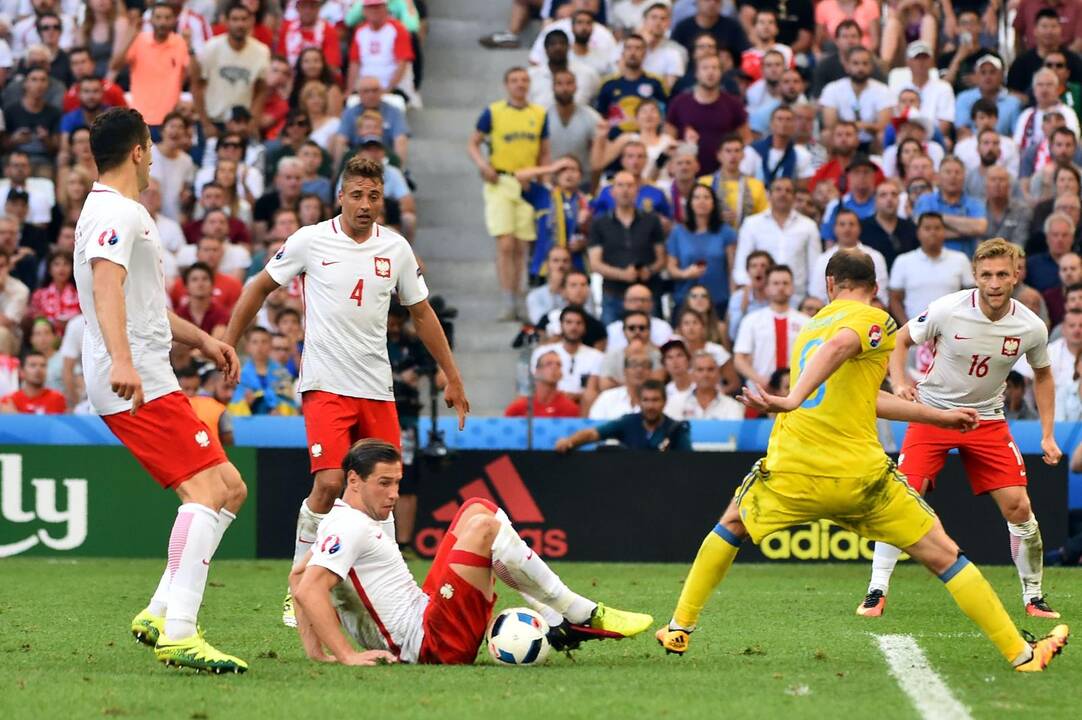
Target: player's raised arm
(827, 359)
(112, 317)
(251, 299)
(431, 334)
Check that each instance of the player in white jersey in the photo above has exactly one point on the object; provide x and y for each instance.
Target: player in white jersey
(354, 579)
(977, 335)
(349, 267)
(130, 383)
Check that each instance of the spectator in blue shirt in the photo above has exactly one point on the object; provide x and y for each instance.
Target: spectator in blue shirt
(648, 429)
(648, 198)
(989, 74)
(261, 377)
(860, 179)
(395, 128)
(1042, 269)
(964, 216)
(90, 104)
(699, 250)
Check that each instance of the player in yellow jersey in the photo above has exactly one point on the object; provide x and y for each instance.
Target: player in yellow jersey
(824, 460)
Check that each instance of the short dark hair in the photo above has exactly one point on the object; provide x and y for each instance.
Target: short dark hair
(573, 310)
(1072, 288)
(555, 35)
(930, 216)
(847, 24)
(988, 107)
(758, 254)
(780, 268)
(287, 311)
(32, 353)
(634, 36)
(362, 167)
(83, 50)
(653, 384)
(174, 115)
(114, 134)
(212, 185)
(851, 269)
(846, 211)
(160, 4)
(512, 70)
(1064, 130)
(1046, 12)
(197, 266)
(1015, 378)
(236, 5)
(365, 454)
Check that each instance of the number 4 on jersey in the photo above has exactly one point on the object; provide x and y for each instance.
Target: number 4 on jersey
(979, 366)
(358, 293)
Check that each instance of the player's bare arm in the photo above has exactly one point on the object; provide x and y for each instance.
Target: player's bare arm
(431, 334)
(312, 595)
(313, 648)
(1044, 392)
(580, 438)
(824, 362)
(222, 355)
(900, 381)
(890, 407)
(113, 320)
(251, 299)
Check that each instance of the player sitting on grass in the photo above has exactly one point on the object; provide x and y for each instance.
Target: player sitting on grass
(824, 460)
(354, 579)
(978, 336)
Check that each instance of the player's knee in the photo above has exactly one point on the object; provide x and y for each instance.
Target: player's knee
(1017, 509)
(483, 527)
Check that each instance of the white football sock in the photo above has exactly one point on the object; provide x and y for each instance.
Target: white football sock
(552, 617)
(522, 569)
(307, 524)
(1027, 551)
(883, 562)
(158, 602)
(191, 546)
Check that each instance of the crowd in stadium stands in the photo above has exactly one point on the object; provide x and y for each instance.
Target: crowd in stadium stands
(254, 106)
(664, 180)
(702, 160)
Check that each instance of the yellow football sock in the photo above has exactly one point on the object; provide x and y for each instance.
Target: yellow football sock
(979, 601)
(715, 556)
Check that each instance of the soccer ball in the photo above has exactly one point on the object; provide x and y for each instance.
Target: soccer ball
(517, 637)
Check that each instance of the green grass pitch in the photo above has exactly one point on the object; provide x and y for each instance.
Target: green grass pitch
(776, 641)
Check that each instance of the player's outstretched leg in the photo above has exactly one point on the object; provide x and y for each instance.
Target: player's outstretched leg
(975, 597)
(572, 617)
(149, 624)
(883, 562)
(192, 544)
(1027, 548)
(715, 557)
(326, 486)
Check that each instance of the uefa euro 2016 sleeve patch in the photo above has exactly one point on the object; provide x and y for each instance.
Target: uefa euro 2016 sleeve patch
(875, 336)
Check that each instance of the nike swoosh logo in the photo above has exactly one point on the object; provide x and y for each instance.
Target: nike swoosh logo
(959, 337)
(529, 554)
(379, 536)
(333, 262)
(206, 563)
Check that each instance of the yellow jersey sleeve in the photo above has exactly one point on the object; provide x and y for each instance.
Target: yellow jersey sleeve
(875, 328)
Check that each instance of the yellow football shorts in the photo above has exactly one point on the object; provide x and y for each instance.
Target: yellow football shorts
(506, 211)
(880, 507)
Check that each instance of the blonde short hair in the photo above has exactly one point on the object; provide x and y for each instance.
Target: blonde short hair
(997, 247)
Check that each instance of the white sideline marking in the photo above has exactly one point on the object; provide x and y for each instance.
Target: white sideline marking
(926, 690)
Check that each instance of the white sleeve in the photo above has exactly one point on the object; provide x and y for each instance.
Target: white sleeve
(745, 343)
(803, 164)
(929, 323)
(817, 281)
(339, 543)
(826, 98)
(411, 283)
(1037, 354)
(114, 237)
(72, 345)
(897, 274)
(880, 276)
(945, 104)
(1020, 126)
(967, 272)
(743, 249)
(291, 259)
